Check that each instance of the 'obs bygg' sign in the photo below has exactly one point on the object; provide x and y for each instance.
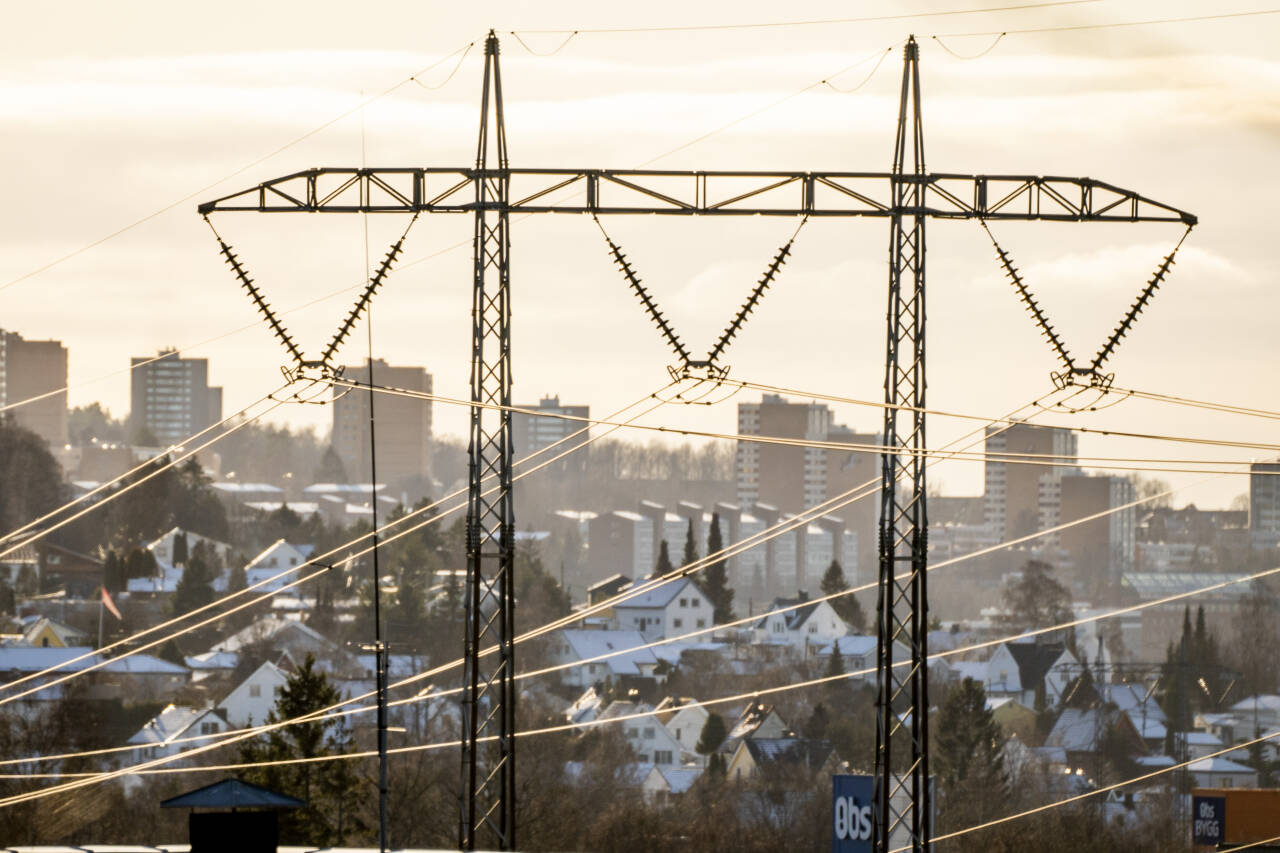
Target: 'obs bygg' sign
(1209, 819)
(852, 813)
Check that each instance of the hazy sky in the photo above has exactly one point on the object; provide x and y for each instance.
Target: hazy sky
(111, 112)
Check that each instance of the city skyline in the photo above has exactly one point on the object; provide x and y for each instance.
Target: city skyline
(1160, 104)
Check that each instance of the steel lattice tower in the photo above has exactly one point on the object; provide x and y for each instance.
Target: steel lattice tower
(487, 793)
(902, 704)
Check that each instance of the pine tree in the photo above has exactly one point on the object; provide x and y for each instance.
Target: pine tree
(969, 753)
(181, 553)
(664, 567)
(712, 735)
(838, 688)
(846, 606)
(195, 587)
(329, 788)
(690, 547)
(715, 577)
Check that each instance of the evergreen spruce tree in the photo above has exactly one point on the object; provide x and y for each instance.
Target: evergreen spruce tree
(968, 755)
(846, 606)
(690, 547)
(195, 587)
(712, 735)
(181, 552)
(715, 577)
(112, 573)
(329, 788)
(663, 567)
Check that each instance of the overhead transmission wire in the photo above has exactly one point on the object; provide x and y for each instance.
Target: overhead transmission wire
(155, 472)
(322, 711)
(960, 650)
(1218, 16)
(866, 19)
(1150, 464)
(554, 625)
(1124, 394)
(721, 626)
(5, 699)
(189, 196)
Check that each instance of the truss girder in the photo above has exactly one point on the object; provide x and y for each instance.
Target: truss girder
(724, 193)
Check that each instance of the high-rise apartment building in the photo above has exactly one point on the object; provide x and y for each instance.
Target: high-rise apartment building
(171, 397)
(793, 479)
(403, 427)
(32, 369)
(1104, 546)
(531, 433)
(1264, 504)
(1022, 496)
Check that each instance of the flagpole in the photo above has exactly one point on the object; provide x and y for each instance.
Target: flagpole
(101, 606)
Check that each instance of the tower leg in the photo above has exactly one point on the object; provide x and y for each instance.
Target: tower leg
(487, 799)
(902, 804)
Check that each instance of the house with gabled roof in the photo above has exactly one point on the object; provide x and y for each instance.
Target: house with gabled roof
(645, 733)
(756, 756)
(46, 632)
(1023, 670)
(665, 610)
(684, 718)
(176, 729)
(806, 626)
(573, 644)
(273, 565)
(661, 784)
(250, 701)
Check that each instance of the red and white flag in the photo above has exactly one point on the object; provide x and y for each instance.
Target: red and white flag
(109, 604)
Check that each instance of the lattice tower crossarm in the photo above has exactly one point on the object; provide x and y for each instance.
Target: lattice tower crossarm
(487, 791)
(902, 703)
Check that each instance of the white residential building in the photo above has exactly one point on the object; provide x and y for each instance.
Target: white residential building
(646, 735)
(668, 609)
(573, 645)
(685, 722)
(806, 626)
(272, 565)
(252, 699)
(176, 729)
(1018, 670)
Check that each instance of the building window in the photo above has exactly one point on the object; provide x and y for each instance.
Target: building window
(676, 623)
(702, 623)
(684, 602)
(693, 602)
(255, 690)
(813, 629)
(662, 756)
(208, 728)
(648, 733)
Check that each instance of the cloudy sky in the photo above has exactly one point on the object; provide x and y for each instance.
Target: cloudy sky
(112, 112)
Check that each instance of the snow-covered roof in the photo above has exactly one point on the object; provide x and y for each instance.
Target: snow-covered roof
(851, 645)
(1202, 739)
(1265, 702)
(585, 708)
(213, 660)
(584, 645)
(342, 488)
(37, 658)
(1218, 765)
(300, 507)
(677, 779)
(1154, 762)
(658, 596)
(240, 488)
(975, 669)
(169, 724)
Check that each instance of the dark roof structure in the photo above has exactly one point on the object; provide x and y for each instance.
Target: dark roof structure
(232, 794)
(1034, 661)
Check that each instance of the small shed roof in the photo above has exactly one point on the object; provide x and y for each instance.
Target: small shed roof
(233, 794)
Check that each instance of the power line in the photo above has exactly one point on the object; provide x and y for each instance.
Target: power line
(869, 19)
(313, 561)
(1146, 464)
(1118, 24)
(155, 473)
(186, 198)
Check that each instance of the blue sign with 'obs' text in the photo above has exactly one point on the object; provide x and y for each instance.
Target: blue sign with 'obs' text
(852, 812)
